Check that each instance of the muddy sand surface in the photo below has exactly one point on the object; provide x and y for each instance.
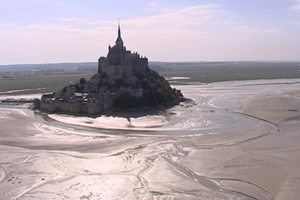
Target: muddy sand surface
(238, 140)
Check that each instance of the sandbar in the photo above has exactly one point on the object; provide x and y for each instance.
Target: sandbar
(234, 143)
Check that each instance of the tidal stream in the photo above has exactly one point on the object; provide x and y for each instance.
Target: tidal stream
(137, 157)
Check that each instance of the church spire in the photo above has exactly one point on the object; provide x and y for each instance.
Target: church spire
(119, 40)
(119, 30)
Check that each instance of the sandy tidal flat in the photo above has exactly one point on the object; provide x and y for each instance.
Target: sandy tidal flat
(238, 140)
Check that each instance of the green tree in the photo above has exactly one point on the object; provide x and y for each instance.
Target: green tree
(79, 87)
(125, 100)
(156, 89)
(120, 82)
(82, 81)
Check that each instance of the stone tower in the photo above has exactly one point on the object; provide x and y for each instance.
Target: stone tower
(119, 40)
(120, 62)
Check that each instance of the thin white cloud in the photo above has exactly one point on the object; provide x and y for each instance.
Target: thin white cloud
(193, 15)
(77, 20)
(8, 25)
(167, 34)
(87, 22)
(175, 23)
(297, 23)
(296, 6)
(85, 38)
(155, 7)
(21, 3)
(249, 30)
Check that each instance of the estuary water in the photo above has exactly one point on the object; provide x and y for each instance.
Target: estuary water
(139, 155)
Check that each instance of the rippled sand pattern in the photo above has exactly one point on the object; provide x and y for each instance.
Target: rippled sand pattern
(235, 140)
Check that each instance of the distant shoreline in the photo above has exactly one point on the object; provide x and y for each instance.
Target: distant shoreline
(70, 64)
(47, 78)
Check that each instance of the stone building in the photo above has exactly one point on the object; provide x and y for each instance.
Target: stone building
(120, 62)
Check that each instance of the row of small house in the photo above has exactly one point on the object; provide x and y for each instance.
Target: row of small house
(76, 97)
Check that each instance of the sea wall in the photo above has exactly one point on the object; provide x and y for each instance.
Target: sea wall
(75, 108)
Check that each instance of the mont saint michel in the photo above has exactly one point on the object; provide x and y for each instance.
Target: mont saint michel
(124, 81)
(108, 127)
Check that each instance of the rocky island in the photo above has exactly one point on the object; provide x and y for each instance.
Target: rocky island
(124, 82)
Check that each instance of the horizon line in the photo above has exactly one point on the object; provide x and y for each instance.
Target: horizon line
(55, 63)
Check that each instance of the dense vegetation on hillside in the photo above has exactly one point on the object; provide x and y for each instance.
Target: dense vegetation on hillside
(156, 91)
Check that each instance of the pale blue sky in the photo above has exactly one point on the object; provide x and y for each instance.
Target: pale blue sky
(51, 31)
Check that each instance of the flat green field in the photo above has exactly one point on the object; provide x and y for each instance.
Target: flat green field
(218, 72)
(28, 80)
(38, 84)
(42, 78)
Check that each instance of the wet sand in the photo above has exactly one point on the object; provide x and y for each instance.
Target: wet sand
(240, 141)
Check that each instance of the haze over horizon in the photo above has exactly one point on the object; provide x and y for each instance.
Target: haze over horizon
(59, 31)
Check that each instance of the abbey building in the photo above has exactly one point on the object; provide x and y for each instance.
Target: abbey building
(121, 62)
(117, 85)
